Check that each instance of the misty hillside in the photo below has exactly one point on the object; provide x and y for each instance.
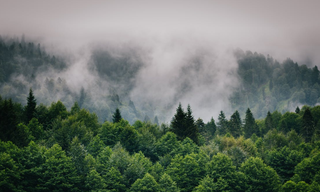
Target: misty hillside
(113, 77)
(268, 85)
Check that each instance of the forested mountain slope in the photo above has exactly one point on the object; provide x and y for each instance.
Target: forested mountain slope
(265, 84)
(268, 85)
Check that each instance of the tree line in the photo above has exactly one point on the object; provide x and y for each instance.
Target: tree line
(50, 148)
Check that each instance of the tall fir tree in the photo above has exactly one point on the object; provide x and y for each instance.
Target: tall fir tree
(268, 123)
(155, 120)
(315, 75)
(201, 126)
(307, 125)
(250, 125)
(222, 124)
(31, 107)
(235, 124)
(8, 120)
(211, 127)
(178, 123)
(116, 117)
(191, 129)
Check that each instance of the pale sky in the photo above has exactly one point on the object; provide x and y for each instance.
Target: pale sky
(286, 28)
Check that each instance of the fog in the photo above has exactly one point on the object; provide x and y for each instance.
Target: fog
(180, 51)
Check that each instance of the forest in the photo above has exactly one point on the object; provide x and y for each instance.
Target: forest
(54, 137)
(265, 83)
(50, 148)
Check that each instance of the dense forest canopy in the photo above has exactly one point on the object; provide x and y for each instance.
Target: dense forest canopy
(50, 148)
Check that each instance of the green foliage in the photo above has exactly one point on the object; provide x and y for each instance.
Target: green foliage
(156, 171)
(31, 107)
(307, 125)
(222, 125)
(32, 158)
(307, 169)
(116, 116)
(284, 161)
(119, 158)
(36, 129)
(166, 144)
(166, 184)
(250, 127)
(8, 120)
(77, 152)
(111, 133)
(209, 130)
(206, 185)
(9, 173)
(259, 176)
(94, 182)
(274, 139)
(114, 180)
(146, 184)
(95, 146)
(223, 174)
(75, 108)
(290, 121)
(72, 151)
(57, 172)
(138, 166)
(183, 124)
(235, 124)
(186, 171)
(187, 146)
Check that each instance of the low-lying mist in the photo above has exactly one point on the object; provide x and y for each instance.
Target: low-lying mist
(144, 79)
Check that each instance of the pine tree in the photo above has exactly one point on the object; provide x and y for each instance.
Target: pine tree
(156, 121)
(178, 123)
(75, 108)
(183, 124)
(250, 125)
(201, 126)
(315, 75)
(307, 125)
(82, 97)
(8, 120)
(222, 124)
(192, 129)
(235, 124)
(297, 110)
(116, 117)
(268, 122)
(211, 127)
(31, 107)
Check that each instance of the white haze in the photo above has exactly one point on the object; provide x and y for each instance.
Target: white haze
(187, 45)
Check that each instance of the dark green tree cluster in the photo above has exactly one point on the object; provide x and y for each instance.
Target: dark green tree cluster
(184, 125)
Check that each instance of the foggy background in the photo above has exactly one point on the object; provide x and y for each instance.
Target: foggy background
(172, 52)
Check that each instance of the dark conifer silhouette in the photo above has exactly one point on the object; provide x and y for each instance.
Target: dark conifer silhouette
(307, 125)
(116, 117)
(31, 107)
